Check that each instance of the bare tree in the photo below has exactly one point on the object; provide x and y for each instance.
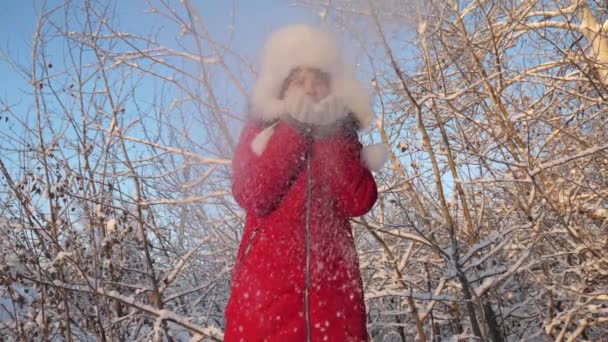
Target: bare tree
(493, 218)
(117, 220)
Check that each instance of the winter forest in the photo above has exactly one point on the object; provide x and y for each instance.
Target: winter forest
(117, 221)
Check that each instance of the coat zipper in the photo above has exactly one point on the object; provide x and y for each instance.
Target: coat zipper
(307, 244)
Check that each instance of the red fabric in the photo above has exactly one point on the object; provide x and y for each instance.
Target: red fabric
(268, 280)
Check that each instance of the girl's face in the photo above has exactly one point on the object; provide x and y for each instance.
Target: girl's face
(308, 82)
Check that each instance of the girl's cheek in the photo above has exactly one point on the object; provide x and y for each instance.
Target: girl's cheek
(292, 90)
(323, 91)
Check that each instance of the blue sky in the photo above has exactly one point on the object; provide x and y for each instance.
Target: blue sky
(253, 20)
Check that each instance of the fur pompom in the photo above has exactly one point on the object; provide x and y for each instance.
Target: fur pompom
(374, 156)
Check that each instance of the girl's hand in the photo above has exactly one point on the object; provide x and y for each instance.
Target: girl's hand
(302, 127)
(330, 110)
(318, 120)
(301, 107)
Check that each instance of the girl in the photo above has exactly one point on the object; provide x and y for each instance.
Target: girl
(300, 174)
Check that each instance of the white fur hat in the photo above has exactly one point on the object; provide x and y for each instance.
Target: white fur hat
(305, 46)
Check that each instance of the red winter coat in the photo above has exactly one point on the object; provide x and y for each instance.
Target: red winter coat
(296, 272)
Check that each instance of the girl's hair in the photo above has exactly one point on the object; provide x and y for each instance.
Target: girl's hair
(295, 71)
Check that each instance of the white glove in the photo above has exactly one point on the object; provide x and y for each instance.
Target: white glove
(330, 110)
(258, 144)
(301, 108)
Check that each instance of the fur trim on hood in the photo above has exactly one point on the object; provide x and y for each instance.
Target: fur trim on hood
(305, 46)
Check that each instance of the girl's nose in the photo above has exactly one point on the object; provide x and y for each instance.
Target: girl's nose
(310, 89)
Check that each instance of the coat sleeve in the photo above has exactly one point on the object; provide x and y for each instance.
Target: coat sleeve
(337, 164)
(259, 182)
